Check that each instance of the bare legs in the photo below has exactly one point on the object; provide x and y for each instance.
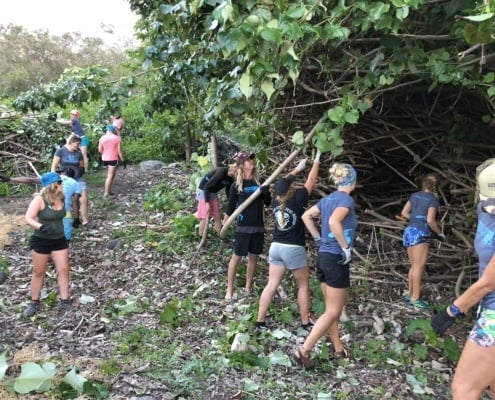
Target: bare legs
(275, 275)
(111, 172)
(474, 372)
(328, 322)
(61, 260)
(232, 272)
(84, 206)
(418, 256)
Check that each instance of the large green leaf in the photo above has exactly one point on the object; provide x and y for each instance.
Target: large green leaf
(75, 380)
(3, 365)
(33, 378)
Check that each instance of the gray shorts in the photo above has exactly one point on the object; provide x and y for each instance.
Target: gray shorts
(290, 256)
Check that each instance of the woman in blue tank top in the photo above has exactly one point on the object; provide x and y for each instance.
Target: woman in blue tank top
(476, 368)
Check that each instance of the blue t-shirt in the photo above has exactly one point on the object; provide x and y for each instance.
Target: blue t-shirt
(420, 203)
(327, 206)
(70, 187)
(484, 243)
(77, 128)
(70, 159)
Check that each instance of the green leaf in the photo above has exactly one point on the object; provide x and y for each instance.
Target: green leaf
(34, 378)
(280, 358)
(271, 35)
(245, 85)
(267, 88)
(479, 18)
(74, 379)
(451, 349)
(250, 385)
(336, 114)
(95, 389)
(419, 323)
(352, 117)
(420, 351)
(377, 9)
(295, 12)
(402, 13)
(3, 365)
(416, 385)
(298, 138)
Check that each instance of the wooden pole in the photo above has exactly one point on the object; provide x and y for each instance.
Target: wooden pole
(272, 177)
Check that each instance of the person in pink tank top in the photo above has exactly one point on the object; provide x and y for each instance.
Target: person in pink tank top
(111, 153)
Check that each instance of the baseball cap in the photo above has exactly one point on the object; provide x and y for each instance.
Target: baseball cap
(242, 156)
(111, 128)
(49, 177)
(75, 112)
(485, 181)
(282, 186)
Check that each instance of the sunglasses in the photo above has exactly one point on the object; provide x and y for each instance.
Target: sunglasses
(59, 182)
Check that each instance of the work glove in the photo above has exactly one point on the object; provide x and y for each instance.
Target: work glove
(123, 163)
(302, 164)
(442, 321)
(76, 223)
(317, 157)
(4, 178)
(346, 256)
(47, 229)
(441, 237)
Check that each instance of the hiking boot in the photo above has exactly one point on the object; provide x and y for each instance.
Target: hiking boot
(65, 305)
(32, 308)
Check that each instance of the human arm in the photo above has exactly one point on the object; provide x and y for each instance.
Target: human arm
(406, 210)
(100, 146)
(431, 220)
(32, 212)
(335, 224)
(471, 296)
(120, 153)
(308, 218)
(63, 121)
(55, 163)
(313, 174)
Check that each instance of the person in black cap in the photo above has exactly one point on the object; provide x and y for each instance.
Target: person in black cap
(210, 185)
(475, 370)
(250, 230)
(287, 250)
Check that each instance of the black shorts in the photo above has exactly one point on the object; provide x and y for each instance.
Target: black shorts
(251, 243)
(329, 271)
(113, 163)
(46, 246)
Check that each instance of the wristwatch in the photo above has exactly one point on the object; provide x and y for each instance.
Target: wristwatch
(454, 310)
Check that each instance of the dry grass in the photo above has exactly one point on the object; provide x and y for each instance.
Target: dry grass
(7, 224)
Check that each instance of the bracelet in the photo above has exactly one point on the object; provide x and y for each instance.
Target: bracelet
(454, 310)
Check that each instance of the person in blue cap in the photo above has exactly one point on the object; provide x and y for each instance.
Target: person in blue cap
(45, 215)
(109, 146)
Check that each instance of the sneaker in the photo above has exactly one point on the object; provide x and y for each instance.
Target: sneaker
(418, 304)
(407, 300)
(65, 305)
(33, 308)
(308, 326)
(261, 326)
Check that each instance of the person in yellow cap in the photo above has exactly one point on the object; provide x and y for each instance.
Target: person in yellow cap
(475, 370)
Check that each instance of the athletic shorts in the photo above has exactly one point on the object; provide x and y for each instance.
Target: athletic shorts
(46, 246)
(483, 332)
(290, 256)
(214, 205)
(414, 236)
(329, 271)
(248, 243)
(85, 141)
(113, 163)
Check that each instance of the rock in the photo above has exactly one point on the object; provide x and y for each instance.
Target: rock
(114, 244)
(3, 277)
(151, 165)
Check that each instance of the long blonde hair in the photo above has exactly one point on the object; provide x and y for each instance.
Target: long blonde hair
(239, 177)
(50, 194)
(430, 184)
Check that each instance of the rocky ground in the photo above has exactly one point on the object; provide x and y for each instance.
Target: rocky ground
(128, 294)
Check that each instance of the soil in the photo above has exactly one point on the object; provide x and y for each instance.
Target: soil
(101, 276)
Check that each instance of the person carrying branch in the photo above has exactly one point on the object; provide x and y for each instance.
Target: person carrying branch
(338, 229)
(208, 204)
(249, 235)
(421, 212)
(77, 129)
(287, 250)
(476, 367)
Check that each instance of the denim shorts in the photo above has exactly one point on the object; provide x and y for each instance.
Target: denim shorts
(329, 271)
(483, 332)
(290, 256)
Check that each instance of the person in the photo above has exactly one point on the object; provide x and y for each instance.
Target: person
(117, 121)
(78, 130)
(45, 214)
(209, 186)
(250, 230)
(69, 157)
(71, 190)
(287, 250)
(338, 229)
(109, 146)
(475, 370)
(421, 212)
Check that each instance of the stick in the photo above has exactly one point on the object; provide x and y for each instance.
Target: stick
(282, 166)
(34, 169)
